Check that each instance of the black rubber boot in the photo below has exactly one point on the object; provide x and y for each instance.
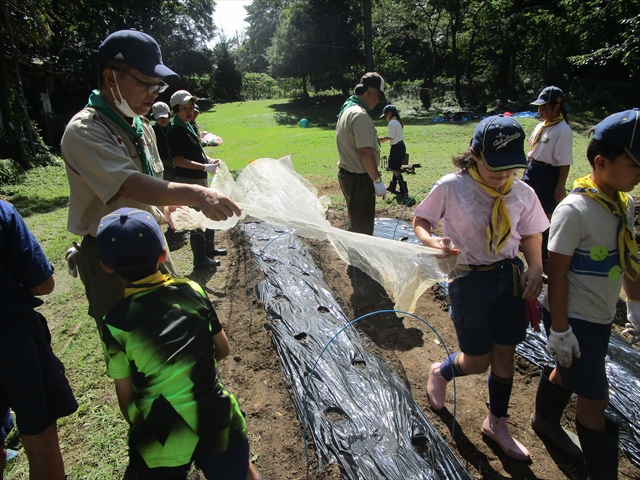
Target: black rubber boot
(210, 246)
(404, 190)
(200, 259)
(600, 451)
(551, 401)
(392, 186)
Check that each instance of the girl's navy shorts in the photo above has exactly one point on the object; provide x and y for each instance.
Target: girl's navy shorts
(487, 306)
(396, 155)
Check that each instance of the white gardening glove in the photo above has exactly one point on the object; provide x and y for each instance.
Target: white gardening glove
(563, 346)
(381, 189)
(71, 257)
(633, 315)
(211, 168)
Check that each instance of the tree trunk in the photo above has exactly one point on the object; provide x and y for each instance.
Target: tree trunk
(14, 148)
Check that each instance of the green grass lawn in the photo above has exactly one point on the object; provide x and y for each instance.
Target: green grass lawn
(93, 439)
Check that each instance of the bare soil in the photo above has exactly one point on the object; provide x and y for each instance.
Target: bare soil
(252, 371)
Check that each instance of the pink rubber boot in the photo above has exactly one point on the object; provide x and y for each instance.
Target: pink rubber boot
(496, 429)
(436, 387)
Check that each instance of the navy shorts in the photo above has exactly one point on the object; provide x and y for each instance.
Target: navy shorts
(231, 464)
(587, 375)
(396, 155)
(544, 180)
(32, 380)
(487, 307)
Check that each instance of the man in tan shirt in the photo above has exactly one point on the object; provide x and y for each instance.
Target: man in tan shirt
(359, 150)
(112, 160)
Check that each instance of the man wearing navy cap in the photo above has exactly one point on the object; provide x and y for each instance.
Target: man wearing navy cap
(112, 160)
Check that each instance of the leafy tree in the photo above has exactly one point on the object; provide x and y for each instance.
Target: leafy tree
(227, 79)
(263, 17)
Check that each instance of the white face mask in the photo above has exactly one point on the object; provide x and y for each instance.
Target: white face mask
(122, 104)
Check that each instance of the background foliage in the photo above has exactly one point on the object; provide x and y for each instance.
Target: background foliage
(444, 54)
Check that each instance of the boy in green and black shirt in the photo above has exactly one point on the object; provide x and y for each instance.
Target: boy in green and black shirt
(161, 345)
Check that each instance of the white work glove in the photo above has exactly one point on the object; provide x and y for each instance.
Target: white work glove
(71, 257)
(211, 168)
(563, 346)
(633, 315)
(381, 189)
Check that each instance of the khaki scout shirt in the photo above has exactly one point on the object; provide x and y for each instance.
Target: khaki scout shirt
(99, 157)
(355, 130)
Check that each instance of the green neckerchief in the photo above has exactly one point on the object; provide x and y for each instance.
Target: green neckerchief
(176, 121)
(351, 101)
(96, 101)
(627, 245)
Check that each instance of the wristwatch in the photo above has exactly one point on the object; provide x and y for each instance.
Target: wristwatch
(378, 180)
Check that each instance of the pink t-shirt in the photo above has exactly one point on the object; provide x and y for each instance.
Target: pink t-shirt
(465, 210)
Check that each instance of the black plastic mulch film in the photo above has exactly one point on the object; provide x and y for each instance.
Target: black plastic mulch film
(360, 414)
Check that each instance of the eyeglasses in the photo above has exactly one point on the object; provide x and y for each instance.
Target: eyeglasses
(151, 87)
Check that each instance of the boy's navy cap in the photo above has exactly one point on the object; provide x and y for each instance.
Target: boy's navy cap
(499, 141)
(387, 109)
(375, 80)
(129, 232)
(552, 95)
(137, 50)
(621, 129)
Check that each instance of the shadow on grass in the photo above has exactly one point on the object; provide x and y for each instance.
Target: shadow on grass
(29, 205)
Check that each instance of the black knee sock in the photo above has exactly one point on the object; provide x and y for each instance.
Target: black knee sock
(499, 394)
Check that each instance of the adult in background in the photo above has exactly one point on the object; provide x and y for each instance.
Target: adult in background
(192, 167)
(359, 151)
(395, 137)
(550, 155)
(162, 114)
(112, 159)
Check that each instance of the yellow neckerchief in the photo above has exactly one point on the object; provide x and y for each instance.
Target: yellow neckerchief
(500, 221)
(151, 282)
(547, 123)
(627, 245)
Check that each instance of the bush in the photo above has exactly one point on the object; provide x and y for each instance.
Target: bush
(10, 172)
(260, 86)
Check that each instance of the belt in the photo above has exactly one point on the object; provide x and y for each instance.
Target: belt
(501, 265)
(347, 172)
(540, 164)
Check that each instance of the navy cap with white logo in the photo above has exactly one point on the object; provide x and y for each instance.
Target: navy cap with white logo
(552, 95)
(499, 141)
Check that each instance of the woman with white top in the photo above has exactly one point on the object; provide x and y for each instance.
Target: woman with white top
(395, 136)
(550, 154)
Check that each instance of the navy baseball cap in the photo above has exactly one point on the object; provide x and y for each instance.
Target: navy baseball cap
(621, 129)
(550, 95)
(499, 141)
(387, 109)
(129, 232)
(137, 50)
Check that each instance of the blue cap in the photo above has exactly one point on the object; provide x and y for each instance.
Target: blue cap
(499, 141)
(552, 95)
(387, 109)
(129, 232)
(621, 130)
(137, 50)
